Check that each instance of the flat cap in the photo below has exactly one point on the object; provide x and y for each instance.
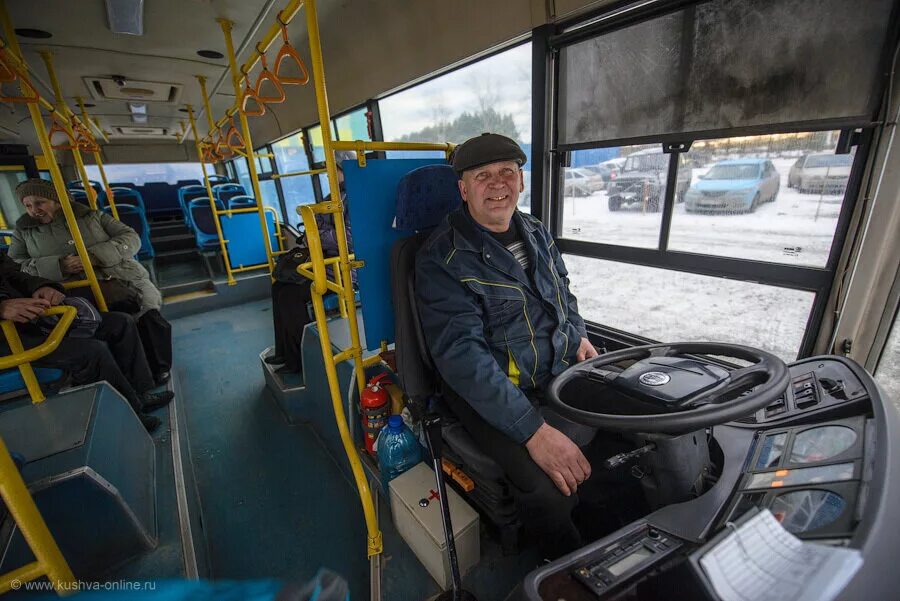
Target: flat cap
(484, 149)
(36, 187)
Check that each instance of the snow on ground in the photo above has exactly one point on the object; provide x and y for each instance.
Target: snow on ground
(795, 229)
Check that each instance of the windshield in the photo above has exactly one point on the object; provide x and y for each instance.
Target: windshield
(828, 160)
(647, 162)
(748, 171)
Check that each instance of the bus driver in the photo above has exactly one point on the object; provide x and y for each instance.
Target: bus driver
(500, 322)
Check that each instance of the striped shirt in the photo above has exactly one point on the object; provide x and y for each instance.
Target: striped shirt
(514, 244)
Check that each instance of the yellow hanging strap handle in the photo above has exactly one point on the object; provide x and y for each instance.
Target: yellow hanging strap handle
(49, 559)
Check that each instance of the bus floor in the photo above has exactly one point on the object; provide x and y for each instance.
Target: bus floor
(274, 502)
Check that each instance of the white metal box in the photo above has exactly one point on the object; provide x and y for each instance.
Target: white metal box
(417, 516)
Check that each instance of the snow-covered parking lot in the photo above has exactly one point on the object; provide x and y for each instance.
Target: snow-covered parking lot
(795, 229)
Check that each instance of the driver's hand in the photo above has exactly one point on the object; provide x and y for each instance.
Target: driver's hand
(559, 457)
(585, 351)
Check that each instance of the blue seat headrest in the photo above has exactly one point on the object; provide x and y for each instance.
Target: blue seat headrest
(425, 196)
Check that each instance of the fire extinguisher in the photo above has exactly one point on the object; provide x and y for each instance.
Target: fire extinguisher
(374, 405)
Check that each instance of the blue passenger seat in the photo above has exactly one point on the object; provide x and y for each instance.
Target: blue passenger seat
(202, 223)
(188, 193)
(129, 196)
(241, 202)
(79, 195)
(160, 198)
(224, 192)
(217, 179)
(133, 217)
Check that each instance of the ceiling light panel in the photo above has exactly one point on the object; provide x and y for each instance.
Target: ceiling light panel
(126, 16)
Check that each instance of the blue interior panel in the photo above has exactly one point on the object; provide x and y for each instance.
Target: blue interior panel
(245, 242)
(372, 195)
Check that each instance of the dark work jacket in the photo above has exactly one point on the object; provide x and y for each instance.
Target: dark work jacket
(495, 331)
(16, 284)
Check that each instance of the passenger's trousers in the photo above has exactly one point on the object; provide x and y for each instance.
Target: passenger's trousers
(114, 354)
(545, 512)
(290, 316)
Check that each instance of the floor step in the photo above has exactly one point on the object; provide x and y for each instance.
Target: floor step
(188, 290)
(175, 242)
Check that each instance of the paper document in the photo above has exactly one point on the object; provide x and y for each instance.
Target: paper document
(761, 561)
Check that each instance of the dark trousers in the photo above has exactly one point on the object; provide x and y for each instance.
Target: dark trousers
(114, 354)
(545, 512)
(290, 316)
(156, 337)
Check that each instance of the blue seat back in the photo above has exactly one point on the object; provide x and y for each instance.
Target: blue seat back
(224, 192)
(79, 185)
(79, 195)
(160, 198)
(187, 182)
(217, 179)
(241, 202)
(134, 218)
(202, 222)
(122, 185)
(425, 196)
(128, 196)
(187, 194)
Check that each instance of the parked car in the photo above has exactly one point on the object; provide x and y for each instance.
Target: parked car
(822, 172)
(576, 183)
(524, 203)
(737, 185)
(607, 170)
(642, 181)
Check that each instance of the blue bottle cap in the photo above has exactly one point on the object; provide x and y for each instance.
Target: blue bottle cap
(395, 422)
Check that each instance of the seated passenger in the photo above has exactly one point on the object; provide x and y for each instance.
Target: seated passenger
(500, 322)
(43, 245)
(113, 354)
(291, 291)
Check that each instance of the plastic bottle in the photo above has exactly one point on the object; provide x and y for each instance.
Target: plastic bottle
(398, 450)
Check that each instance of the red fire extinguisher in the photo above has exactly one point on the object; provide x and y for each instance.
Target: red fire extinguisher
(374, 404)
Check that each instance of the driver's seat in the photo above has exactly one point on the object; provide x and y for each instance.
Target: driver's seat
(425, 196)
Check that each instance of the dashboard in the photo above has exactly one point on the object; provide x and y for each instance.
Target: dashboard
(821, 458)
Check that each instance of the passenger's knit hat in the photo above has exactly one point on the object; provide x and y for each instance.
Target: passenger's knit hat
(344, 155)
(484, 149)
(36, 187)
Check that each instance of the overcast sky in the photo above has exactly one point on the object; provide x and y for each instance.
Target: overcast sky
(502, 82)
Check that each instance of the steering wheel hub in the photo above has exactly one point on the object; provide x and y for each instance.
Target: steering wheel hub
(667, 388)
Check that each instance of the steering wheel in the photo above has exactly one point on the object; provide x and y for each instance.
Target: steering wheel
(686, 393)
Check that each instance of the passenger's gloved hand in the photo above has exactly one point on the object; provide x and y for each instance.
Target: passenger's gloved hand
(585, 351)
(559, 457)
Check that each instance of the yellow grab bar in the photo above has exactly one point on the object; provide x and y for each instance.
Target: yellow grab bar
(49, 559)
(22, 358)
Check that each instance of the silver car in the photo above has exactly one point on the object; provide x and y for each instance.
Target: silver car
(823, 172)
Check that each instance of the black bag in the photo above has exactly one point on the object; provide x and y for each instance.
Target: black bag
(156, 338)
(120, 295)
(286, 266)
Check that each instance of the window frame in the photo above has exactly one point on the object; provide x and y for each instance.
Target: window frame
(557, 158)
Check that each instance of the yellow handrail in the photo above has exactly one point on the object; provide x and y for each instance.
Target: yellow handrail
(296, 173)
(49, 559)
(212, 201)
(55, 174)
(61, 108)
(22, 357)
(110, 197)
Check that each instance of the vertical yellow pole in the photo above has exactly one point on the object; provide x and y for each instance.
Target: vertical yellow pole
(61, 108)
(212, 200)
(245, 127)
(23, 510)
(109, 193)
(25, 369)
(318, 69)
(55, 174)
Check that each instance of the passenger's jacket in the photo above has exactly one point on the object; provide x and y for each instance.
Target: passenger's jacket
(111, 244)
(15, 284)
(493, 330)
